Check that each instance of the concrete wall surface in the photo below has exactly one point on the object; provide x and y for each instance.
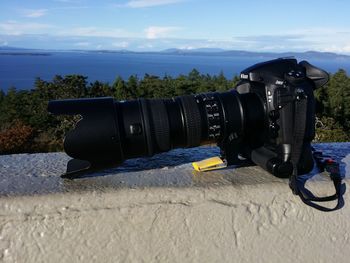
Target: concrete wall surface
(163, 215)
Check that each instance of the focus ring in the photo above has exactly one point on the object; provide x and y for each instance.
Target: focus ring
(147, 126)
(160, 124)
(192, 120)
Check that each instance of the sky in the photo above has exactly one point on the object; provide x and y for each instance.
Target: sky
(153, 25)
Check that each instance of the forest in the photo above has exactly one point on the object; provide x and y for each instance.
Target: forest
(27, 127)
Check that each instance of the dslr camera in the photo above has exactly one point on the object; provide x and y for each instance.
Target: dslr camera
(268, 118)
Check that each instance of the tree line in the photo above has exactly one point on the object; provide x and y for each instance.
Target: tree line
(26, 126)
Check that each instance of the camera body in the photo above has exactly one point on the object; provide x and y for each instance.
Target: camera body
(279, 84)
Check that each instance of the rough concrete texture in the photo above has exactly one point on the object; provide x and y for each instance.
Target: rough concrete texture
(165, 215)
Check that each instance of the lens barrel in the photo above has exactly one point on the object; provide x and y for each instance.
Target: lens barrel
(111, 131)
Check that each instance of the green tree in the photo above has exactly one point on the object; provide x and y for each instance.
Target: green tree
(339, 97)
(234, 82)
(168, 87)
(206, 84)
(99, 89)
(2, 95)
(151, 87)
(194, 81)
(182, 85)
(131, 87)
(328, 130)
(221, 83)
(119, 88)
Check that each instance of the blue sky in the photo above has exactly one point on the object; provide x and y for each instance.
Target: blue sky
(150, 25)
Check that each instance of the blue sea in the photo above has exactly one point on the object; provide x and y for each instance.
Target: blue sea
(21, 70)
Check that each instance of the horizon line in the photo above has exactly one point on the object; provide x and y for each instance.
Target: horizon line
(210, 50)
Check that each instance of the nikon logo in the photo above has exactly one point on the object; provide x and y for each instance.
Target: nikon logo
(279, 82)
(244, 76)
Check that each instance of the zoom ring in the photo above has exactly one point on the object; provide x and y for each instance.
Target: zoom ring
(192, 120)
(160, 124)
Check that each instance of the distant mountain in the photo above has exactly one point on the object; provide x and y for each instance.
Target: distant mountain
(204, 50)
(192, 52)
(16, 51)
(242, 53)
(314, 54)
(7, 48)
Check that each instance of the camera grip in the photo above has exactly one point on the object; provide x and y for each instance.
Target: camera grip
(269, 161)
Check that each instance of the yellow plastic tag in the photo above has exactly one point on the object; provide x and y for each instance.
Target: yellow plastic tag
(209, 164)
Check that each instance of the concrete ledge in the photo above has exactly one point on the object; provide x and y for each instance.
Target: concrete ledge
(164, 213)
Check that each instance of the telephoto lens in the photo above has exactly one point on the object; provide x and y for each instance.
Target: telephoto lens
(110, 132)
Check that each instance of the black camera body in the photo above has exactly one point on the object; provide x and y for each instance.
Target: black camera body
(280, 84)
(268, 118)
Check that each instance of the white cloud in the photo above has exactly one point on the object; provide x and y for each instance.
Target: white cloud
(95, 32)
(150, 3)
(82, 44)
(345, 49)
(153, 32)
(326, 39)
(123, 44)
(147, 46)
(70, 7)
(188, 47)
(16, 28)
(34, 13)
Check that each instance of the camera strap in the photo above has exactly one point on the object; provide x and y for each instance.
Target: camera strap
(297, 183)
(332, 168)
(300, 111)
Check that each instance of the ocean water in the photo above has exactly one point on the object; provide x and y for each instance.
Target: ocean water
(20, 71)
